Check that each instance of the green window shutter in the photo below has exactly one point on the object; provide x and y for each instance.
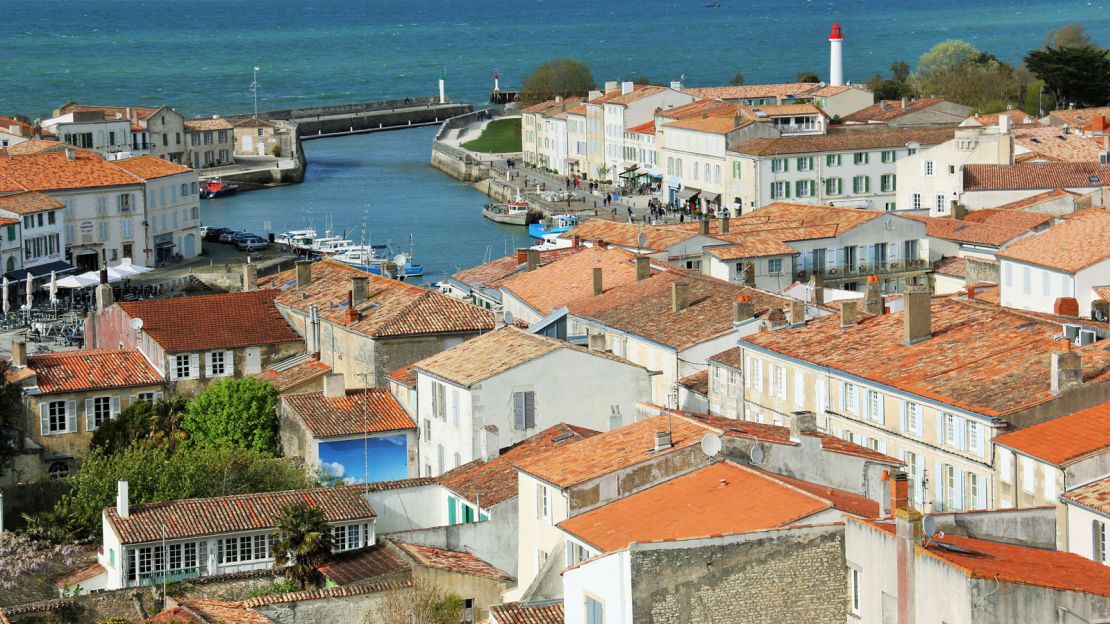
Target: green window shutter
(452, 502)
(11, 232)
(786, 189)
(893, 182)
(798, 188)
(867, 184)
(786, 164)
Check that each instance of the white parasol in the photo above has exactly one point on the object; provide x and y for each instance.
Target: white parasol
(53, 287)
(7, 304)
(30, 294)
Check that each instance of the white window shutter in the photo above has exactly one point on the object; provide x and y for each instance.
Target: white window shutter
(958, 503)
(920, 424)
(44, 418)
(71, 416)
(115, 406)
(89, 409)
(881, 415)
(938, 479)
(799, 389)
(882, 447)
(208, 364)
(981, 494)
(905, 425)
(229, 362)
(194, 366)
(961, 433)
(921, 493)
(530, 410)
(981, 441)
(518, 410)
(843, 397)
(940, 427)
(173, 368)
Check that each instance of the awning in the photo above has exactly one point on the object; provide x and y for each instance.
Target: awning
(59, 266)
(710, 197)
(634, 174)
(688, 192)
(164, 244)
(629, 165)
(571, 160)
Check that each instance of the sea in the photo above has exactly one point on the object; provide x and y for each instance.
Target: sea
(198, 56)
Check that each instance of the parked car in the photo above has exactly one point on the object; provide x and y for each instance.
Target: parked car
(243, 236)
(228, 236)
(212, 233)
(253, 243)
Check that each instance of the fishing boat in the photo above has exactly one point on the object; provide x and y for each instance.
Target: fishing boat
(551, 241)
(511, 213)
(216, 187)
(371, 259)
(296, 239)
(555, 224)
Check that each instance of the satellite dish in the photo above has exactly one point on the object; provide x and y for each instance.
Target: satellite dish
(756, 455)
(136, 323)
(929, 525)
(400, 259)
(711, 444)
(508, 316)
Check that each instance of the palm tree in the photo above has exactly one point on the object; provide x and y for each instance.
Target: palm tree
(302, 541)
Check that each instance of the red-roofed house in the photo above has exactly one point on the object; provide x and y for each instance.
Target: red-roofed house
(623, 106)
(164, 126)
(908, 113)
(1087, 520)
(14, 132)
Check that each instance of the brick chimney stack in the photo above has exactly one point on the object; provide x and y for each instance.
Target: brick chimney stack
(873, 296)
(680, 296)
(917, 314)
(643, 268)
(598, 287)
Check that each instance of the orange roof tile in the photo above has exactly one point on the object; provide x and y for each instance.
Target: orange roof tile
(885, 110)
(1009, 563)
(492, 274)
(966, 231)
(644, 128)
(639, 92)
(74, 577)
(493, 482)
(830, 91)
(452, 561)
(723, 498)
(1063, 440)
(140, 112)
(35, 146)
(1075, 244)
(779, 110)
(1050, 142)
(29, 203)
(392, 309)
(195, 517)
(1017, 117)
(698, 382)
(7, 122)
(201, 125)
(92, 369)
(521, 613)
(1078, 117)
(713, 124)
(567, 279)
(294, 376)
(255, 122)
(1007, 217)
(1036, 200)
(954, 266)
(1094, 496)
(405, 376)
(843, 140)
(744, 92)
(1031, 176)
(219, 611)
(356, 566)
(751, 246)
(624, 234)
(698, 108)
(220, 321)
(980, 357)
(150, 167)
(49, 171)
(373, 410)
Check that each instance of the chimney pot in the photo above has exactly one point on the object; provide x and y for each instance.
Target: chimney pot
(662, 440)
(598, 289)
(122, 504)
(873, 296)
(680, 296)
(848, 313)
(643, 268)
(532, 257)
(899, 491)
(802, 422)
(304, 273)
(703, 227)
(917, 314)
(334, 386)
(742, 309)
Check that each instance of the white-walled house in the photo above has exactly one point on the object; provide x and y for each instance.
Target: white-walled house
(520, 383)
(627, 106)
(933, 177)
(1066, 261)
(14, 132)
(110, 135)
(172, 215)
(36, 242)
(1088, 521)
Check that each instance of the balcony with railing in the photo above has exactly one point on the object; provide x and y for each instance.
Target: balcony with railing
(170, 576)
(854, 270)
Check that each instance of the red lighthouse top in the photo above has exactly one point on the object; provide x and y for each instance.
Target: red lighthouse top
(836, 32)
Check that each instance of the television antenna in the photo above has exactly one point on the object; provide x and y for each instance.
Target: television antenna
(710, 444)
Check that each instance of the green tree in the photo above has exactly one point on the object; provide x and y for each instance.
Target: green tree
(142, 420)
(422, 604)
(558, 77)
(900, 71)
(955, 70)
(302, 543)
(1068, 36)
(736, 80)
(1072, 75)
(11, 410)
(808, 76)
(239, 412)
(946, 56)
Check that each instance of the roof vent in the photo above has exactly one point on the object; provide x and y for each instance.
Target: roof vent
(1086, 337)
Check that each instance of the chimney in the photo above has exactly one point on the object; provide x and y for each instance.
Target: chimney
(847, 313)
(873, 296)
(724, 224)
(1004, 123)
(360, 290)
(817, 289)
(662, 441)
(1067, 371)
(576, 241)
(19, 353)
(532, 257)
(643, 268)
(104, 297)
(1066, 306)
(905, 103)
(627, 87)
(521, 256)
(250, 277)
(899, 490)
(334, 387)
(594, 94)
(596, 342)
(353, 315)
(958, 210)
(742, 309)
(304, 273)
(680, 296)
(122, 507)
(703, 227)
(796, 313)
(597, 282)
(800, 423)
(611, 86)
(491, 446)
(907, 531)
(71, 153)
(970, 286)
(676, 85)
(917, 314)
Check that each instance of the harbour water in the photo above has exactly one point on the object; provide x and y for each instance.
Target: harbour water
(385, 177)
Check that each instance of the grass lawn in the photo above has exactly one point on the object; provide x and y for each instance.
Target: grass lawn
(500, 135)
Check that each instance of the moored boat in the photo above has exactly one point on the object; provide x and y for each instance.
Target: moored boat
(216, 187)
(511, 213)
(555, 224)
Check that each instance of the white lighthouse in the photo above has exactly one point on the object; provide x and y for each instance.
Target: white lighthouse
(836, 69)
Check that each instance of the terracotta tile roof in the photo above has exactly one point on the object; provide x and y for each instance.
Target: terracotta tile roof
(628, 234)
(980, 357)
(356, 566)
(1063, 440)
(8, 122)
(714, 124)
(92, 369)
(1008, 563)
(1017, 117)
(206, 611)
(698, 382)
(174, 615)
(392, 309)
(791, 218)
(372, 410)
(1094, 496)
(723, 498)
(34, 146)
(110, 112)
(220, 321)
(1051, 143)
(6, 221)
(452, 561)
(698, 108)
(294, 375)
(954, 266)
(560, 111)
(779, 110)
(1007, 217)
(1030, 176)
(733, 357)
(330, 593)
(493, 353)
(968, 231)
(744, 92)
(29, 203)
(578, 110)
(567, 279)
(1071, 246)
(1078, 117)
(1036, 200)
(644, 128)
(150, 167)
(751, 246)
(405, 376)
(843, 141)
(490, 483)
(201, 125)
(639, 92)
(492, 274)
(885, 110)
(254, 122)
(540, 107)
(196, 517)
(49, 171)
(74, 577)
(644, 308)
(520, 613)
(830, 90)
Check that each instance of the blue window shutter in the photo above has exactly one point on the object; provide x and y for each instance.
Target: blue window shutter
(452, 503)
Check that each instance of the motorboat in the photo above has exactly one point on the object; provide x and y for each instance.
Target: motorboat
(555, 224)
(511, 213)
(216, 187)
(552, 241)
(296, 239)
(371, 260)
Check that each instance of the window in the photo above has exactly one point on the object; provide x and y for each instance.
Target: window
(938, 203)
(439, 458)
(347, 536)
(1006, 471)
(58, 470)
(778, 381)
(99, 410)
(974, 491)
(427, 429)
(439, 401)
(1028, 475)
(950, 429)
(832, 160)
(733, 383)
(779, 165)
(887, 183)
(875, 406)
(854, 589)
(774, 266)
(455, 406)
(1049, 485)
(184, 367)
(888, 156)
(861, 184)
(218, 363)
(149, 397)
(243, 549)
(780, 190)
(55, 417)
(804, 188)
(805, 163)
(101, 205)
(595, 611)
(928, 168)
(974, 441)
(834, 186)
(735, 169)
(915, 201)
(543, 502)
(123, 202)
(859, 158)
(913, 467)
(850, 399)
(125, 229)
(524, 410)
(950, 491)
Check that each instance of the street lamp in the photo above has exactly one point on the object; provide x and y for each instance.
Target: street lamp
(254, 89)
